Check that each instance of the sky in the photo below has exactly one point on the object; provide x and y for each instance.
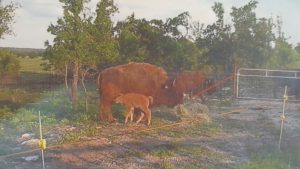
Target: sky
(34, 16)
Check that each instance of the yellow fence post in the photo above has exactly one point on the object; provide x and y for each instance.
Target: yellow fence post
(285, 98)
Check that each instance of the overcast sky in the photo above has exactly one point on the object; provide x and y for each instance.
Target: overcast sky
(34, 17)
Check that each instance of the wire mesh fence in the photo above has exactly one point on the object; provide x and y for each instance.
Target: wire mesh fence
(268, 84)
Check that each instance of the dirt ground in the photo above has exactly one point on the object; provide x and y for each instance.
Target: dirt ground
(239, 129)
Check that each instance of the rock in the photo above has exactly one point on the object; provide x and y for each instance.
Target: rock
(31, 158)
(25, 137)
(71, 128)
(31, 143)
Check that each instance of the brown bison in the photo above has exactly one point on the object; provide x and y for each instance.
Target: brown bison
(187, 81)
(145, 79)
(134, 100)
(142, 78)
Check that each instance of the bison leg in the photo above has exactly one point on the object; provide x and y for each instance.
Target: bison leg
(105, 113)
(147, 112)
(148, 116)
(140, 118)
(107, 94)
(129, 113)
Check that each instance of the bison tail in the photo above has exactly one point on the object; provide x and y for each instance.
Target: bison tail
(150, 99)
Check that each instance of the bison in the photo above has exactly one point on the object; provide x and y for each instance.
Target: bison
(145, 79)
(142, 78)
(187, 81)
(134, 100)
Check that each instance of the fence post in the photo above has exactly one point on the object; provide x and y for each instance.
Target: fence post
(42, 142)
(285, 98)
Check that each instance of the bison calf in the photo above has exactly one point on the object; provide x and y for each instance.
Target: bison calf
(134, 100)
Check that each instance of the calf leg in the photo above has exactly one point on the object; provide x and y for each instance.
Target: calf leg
(129, 112)
(140, 118)
(149, 116)
(147, 111)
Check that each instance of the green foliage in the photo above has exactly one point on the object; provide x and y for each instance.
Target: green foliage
(5, 113)
(118, 111)
(104, 46)
(9, 64)
(163, 152)
(284, 56)
(216, 39)
(15, 98)
(89, 130)
(157, 42)
(167, 165)
(7, 14)
(80, 44)
(252, 36)
(25, 120)
(265, 163)
(297, 48)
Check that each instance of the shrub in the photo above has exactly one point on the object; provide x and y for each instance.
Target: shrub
(9, 66)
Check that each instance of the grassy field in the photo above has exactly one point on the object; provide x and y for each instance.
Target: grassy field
(32, 65)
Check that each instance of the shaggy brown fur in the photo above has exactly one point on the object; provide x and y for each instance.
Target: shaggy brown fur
(134, 100)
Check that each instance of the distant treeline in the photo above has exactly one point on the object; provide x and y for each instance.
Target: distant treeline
(25, 52)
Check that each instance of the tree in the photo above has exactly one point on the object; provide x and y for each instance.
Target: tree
(216, 39)
(104, 46)
(7, 14)
(134, 36)
(9, 65)
(252, 37)
(158, 42)
(284, 56)
(80, 41)
(297, 48)
(70, 43)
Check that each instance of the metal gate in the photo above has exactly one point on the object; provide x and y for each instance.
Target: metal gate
(266, 84)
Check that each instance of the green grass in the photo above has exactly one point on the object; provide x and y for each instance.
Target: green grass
(15, 98)
(167, 165)
(32, 65)
(265, 163)
(163, 152)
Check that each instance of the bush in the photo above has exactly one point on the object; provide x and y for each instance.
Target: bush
(9, 66)
(5, 113)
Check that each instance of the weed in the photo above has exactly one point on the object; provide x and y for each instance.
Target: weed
(70, 137)
(73, 136)
(164, 151)
(131, 153)
(25, 119)
(191, 166)
(118, 111)
(5, 112)
(167, 165)
(262, 162)
(209, 128)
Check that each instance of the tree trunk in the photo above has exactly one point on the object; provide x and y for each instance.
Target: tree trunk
(75, 72)
(66, 77)
(68, 92)
(85, 91)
